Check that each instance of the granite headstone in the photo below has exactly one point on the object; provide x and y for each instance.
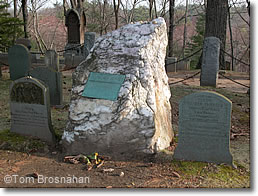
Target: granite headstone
(30, 110)
(53, 80)
(210, 62)
(52, 60)
(204, 128)
(19, 61)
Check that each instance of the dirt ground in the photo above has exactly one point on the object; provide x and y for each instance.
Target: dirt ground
(42, 165)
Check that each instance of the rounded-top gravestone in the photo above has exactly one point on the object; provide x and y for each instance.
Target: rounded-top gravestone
(19, 61)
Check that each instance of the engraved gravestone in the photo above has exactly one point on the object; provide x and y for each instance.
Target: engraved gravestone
(52, 60)
(89, 40)
(210, 62)
(73, 26)
(30, 111)
(53, 80)
(19, 61)
(204, 128)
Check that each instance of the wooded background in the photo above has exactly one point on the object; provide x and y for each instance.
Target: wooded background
(188, 22)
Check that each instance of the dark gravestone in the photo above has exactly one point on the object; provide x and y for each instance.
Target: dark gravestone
(30, 111)
(52, 60)
(171, 64)
(19, 61)
(73, 26)
(24, 41)
(204, 128)
(53, 80)
(210, 62)
(89, 40)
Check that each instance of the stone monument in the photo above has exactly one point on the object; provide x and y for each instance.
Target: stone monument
(210, 62)
(120, 96)
(204, 128)
(30, 110)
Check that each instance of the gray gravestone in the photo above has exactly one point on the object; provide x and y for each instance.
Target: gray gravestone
(19, 61)
(210, 62)
(30, 111)
(204, 128)
(53, 80)
(89, 40)
(171, 64)
(52, 60)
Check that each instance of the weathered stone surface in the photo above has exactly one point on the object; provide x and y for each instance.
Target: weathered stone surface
(210, 62)
(19, 61)
(139, 121)
(53, 80)
(204, 128)
(89, 40)
(30, 110)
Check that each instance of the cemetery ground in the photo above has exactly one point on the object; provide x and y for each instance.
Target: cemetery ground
(25, 156)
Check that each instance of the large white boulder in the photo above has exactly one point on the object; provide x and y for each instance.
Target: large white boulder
(139, 122)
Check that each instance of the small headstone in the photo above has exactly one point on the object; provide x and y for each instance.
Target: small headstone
(72, 22)
(210, 62)
(24, 41)
(204, 128)
(53, 80)
(171, 64)
(30, 111)
(52, 60)
(89, 40)
(19, 61)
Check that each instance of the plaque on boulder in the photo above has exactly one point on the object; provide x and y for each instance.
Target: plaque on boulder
(53, 80)
(204, 128)
(19, 61)
(103, 86)
(30, 111)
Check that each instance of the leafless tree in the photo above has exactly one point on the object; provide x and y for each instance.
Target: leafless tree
(171, 27)
(116, 10)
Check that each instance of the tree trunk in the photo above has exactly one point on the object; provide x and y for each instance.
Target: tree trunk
(25, 17)
(231, 40)
(171, 27)
(216, 24)
(185, 28)
(116, 9)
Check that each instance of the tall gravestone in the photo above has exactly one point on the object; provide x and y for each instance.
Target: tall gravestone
(53, 80)
(19, 61)
(89, 40)
(52, 60)
(30, 110)
(72, 21)
(210, 62)
(204, 128)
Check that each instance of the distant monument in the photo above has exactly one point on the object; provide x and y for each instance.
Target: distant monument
(210, 62)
